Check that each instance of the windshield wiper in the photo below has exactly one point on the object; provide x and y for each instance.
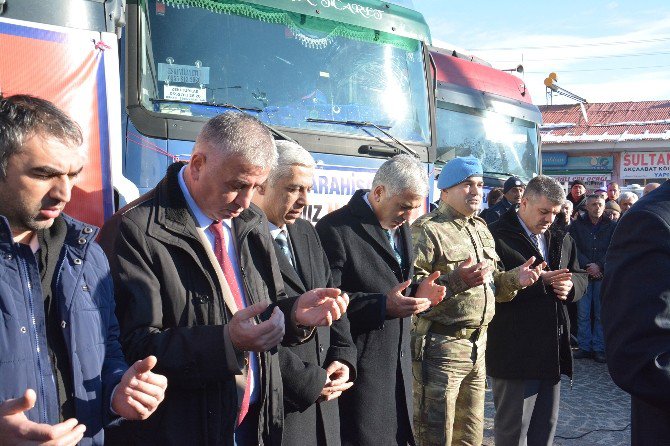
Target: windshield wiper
(507, 174)
(212, 104)
(275, 132)
(382, 128)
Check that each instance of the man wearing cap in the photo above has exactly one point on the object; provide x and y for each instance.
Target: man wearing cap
(577, 196)
(612, 211)
(449, 340)
(512, 192)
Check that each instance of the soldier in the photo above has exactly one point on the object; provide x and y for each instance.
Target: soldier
(449, 340)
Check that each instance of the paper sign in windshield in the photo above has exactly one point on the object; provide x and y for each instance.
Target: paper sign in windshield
(184, 74)
(184, 94)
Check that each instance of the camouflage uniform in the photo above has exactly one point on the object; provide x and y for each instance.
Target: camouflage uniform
(449, 340)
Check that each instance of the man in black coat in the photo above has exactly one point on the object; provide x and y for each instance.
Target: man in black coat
(369, 247)
(512, 192)
(577, 196)
(316, 372)
(636, 314)
(194, 270)
(529, 336)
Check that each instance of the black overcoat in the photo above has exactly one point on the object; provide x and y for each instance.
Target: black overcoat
(636, 314)
(529, 335)
(303, 366)
(170, 304)
(379, 405)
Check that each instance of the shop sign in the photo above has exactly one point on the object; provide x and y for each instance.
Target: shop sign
(554, 159)
(589, 163)
(636, 165)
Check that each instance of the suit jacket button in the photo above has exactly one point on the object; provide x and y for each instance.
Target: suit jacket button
(320, 348)
(402, 353)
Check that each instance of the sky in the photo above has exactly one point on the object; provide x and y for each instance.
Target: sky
(603, 51)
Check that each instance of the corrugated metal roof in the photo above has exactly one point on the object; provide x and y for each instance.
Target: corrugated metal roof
(612, 121)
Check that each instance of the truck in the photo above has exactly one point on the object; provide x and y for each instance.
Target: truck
(487, 113)
(346, 79)
(354, 82)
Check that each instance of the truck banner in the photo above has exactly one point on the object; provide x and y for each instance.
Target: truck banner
(68, 68)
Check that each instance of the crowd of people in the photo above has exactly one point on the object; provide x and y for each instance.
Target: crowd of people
(246, 325)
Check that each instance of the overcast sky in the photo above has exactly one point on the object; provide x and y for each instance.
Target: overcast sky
(602, 51)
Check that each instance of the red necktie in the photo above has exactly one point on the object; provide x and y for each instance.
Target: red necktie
(221, 254)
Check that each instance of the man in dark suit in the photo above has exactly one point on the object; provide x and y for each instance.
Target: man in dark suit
(194, 268)
(636, 314)
(529, 336)
(368, 244)
(316, 372)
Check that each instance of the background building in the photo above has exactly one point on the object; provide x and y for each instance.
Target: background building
(626, 142)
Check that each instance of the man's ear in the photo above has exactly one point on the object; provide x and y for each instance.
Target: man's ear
(377, 192)
(196, 164)
(262, 188)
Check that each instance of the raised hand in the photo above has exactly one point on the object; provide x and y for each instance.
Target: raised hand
(320, 307)
(140, 391)
(337, 381)
(17, 429)
(398, 305)
(528, 274)
(474, 275)
(560, 281)
(430, 290)
(559, 275)
(246, 335)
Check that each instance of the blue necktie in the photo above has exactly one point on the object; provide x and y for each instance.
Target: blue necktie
(282, 241)
(538, 243)
(398, 257)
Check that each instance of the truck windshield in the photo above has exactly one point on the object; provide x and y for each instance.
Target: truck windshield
(504, 144)
(282, 67)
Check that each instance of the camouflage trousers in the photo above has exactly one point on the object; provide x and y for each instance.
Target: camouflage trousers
(449, 385)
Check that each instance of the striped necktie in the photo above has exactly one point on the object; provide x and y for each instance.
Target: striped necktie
(282, 241)
(396, 251)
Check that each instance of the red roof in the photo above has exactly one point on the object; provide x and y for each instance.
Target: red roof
(612, 121)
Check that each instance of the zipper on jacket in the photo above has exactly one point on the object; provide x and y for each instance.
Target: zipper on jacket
(31, 304)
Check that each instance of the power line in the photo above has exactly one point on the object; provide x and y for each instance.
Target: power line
(576, 45)
(582, 57)
(604, 69)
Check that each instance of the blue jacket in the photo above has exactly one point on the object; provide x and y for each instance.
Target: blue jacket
(592, 243)
(494, 213)
(84, 291)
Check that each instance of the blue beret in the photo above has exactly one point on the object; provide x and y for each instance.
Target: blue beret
(458, 170)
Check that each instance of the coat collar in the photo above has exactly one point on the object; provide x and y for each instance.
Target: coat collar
(458, 219)
(300, 276)
(173, 213)
(78, 236)
(509, 221)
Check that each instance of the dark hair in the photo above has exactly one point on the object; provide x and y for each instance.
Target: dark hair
(494, 195)
(23, 116)
(543, 185)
